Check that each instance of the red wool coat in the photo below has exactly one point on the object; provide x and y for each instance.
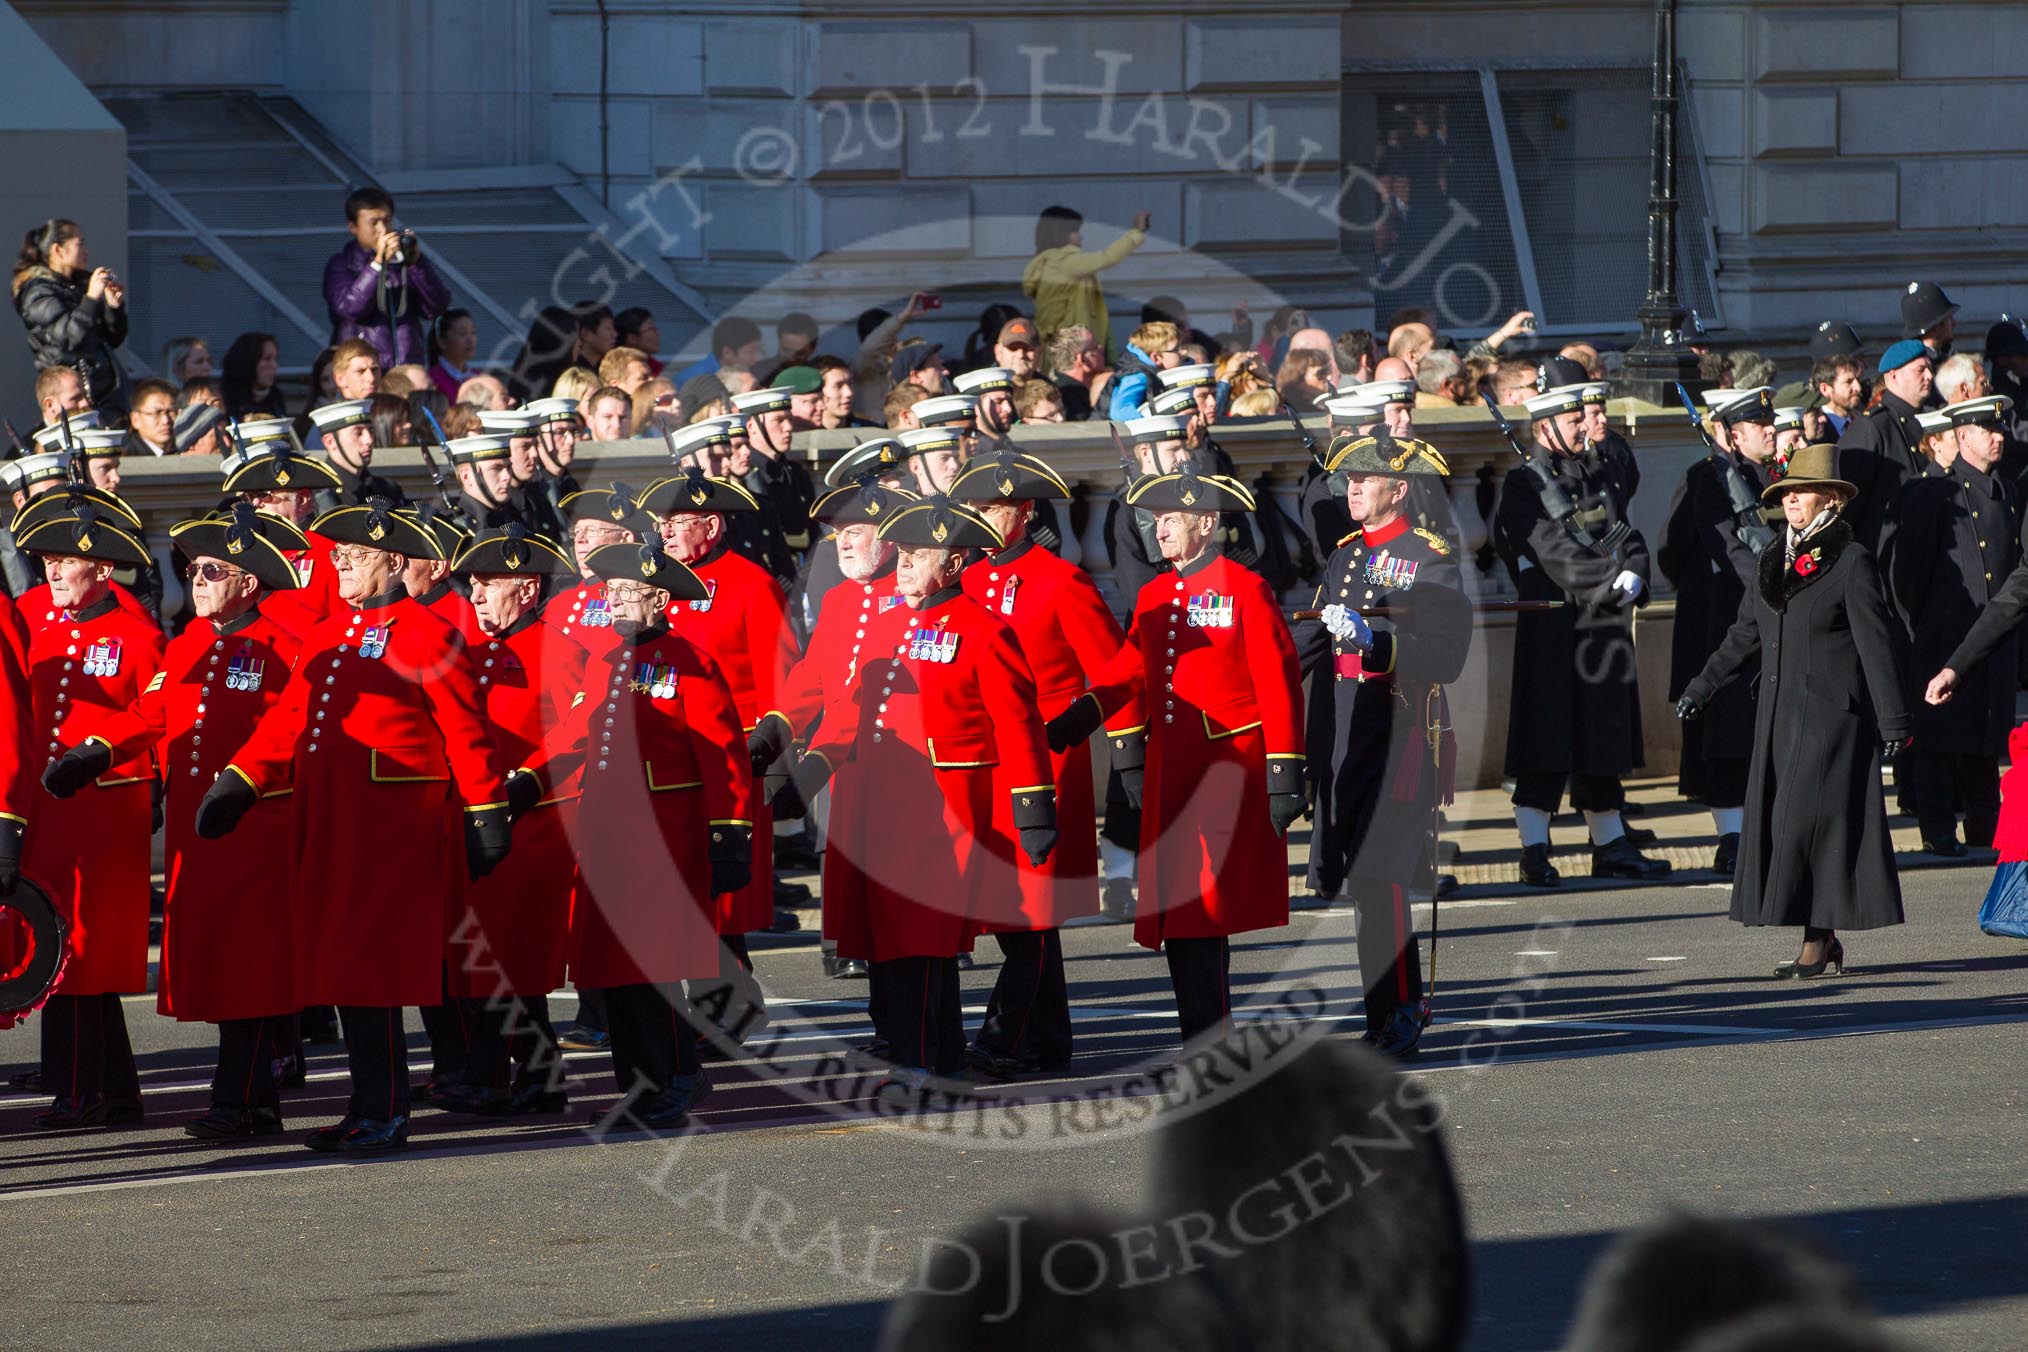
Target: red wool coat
(941, 727)
(1066, 633)
(316, 600)
(744, 628)
(227, 947)
(1211, 651)
(383, 729)
(91, 850)
(663, 756)
(512, 935)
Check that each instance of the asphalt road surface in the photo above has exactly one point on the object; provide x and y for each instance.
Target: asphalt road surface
(1604, 1056)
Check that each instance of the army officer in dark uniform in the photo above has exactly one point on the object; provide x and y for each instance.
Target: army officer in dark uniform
(1394, 630)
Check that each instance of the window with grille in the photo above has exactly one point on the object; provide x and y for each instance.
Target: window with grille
(1486, 192)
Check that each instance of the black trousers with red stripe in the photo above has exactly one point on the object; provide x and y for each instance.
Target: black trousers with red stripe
(915, 1005)
(376, 1053)
(1200, 971)
(652, 1040)
(1390, 960)
(247, 1049)
(1028, 1014)
(85, 1051)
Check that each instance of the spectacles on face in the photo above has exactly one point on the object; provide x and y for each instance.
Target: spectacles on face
(160, 412)
(352, 556)
(627, 592)
(213, 572)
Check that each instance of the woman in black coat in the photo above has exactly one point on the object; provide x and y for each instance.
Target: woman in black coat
(1815, 850)
(75, 314)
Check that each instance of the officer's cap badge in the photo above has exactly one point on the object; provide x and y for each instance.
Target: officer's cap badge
(1007, 484)
(376, 529)
(1188, 496)
(940, 531)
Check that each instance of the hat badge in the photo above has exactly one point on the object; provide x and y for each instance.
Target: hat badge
(617, 511)
(939, 531)
(1188, 495)
(1007, 484)
(647, 564)
(873, 506)
(376, 529)
(84, 538)
(1914, 287)
(282, 476)
(235, 543)
(700, 495)
(511, 556)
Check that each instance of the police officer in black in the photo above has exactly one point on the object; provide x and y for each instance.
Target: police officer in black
(1956, 537)
(1708, 552)
(1395, 627)
(1575, 709)
(1928, 316)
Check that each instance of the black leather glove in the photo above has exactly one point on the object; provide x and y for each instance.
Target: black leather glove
(1035, 821)
(1130, 759)
(158, 792)
(1074, 725)
(792, 800)
(77, 767)
(487, 836)
(524, 791)
(766, 743)
(1285, 792)
(731, 858)
(1687, 709)
(11, 833)
(1891, 748)
(229, 799)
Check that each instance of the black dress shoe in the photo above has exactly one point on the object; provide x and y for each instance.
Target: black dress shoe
(999, 1065)
(458, 1097)
(1536, 870)
(225, 1123)
(790, 895)
(1638, 835)
(1446, 886)
(528, 1098)
(785, 922)
(27, 1082)
(291, 1071)
(583, 1039)
(1726, 860)
(1619, 859)
(1402, 1031)
(849, 969)
(89, 1113)
(1116, 898)
(374, 1136)
(327, 1138)
(671, 1107)
(1943, 849)
(966, 962)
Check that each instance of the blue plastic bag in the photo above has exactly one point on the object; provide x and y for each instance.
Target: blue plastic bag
(2005, 914)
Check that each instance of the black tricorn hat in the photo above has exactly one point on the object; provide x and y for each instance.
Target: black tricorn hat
(865, 503)
(84, 532)
(451, 533)
(647, 564)
(1008, 475)
(1188, 491)
(695, 491)
(69, 498)
(377, 525)
(1399, 457)
(614, 503)
(237, 538)
(274, 465)
(939, 523)
(514, 550)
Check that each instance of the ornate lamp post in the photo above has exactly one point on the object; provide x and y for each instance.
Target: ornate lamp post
(1658, 358)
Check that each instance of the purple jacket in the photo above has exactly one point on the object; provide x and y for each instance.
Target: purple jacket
(352, 291)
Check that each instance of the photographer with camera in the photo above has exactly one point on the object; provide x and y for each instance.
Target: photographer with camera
(379, 287)
(75, 314)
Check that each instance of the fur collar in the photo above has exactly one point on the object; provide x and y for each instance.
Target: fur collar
(1780, 579)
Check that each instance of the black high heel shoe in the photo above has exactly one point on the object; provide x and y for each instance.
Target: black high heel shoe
(1831, 964)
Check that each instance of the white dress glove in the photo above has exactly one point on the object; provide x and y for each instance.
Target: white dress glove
(1629, 582)
(1348, 626)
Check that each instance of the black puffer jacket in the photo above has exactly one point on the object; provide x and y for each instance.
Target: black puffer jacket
(67, 328)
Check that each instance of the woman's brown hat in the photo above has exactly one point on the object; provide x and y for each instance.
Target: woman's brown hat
(1814, 466)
